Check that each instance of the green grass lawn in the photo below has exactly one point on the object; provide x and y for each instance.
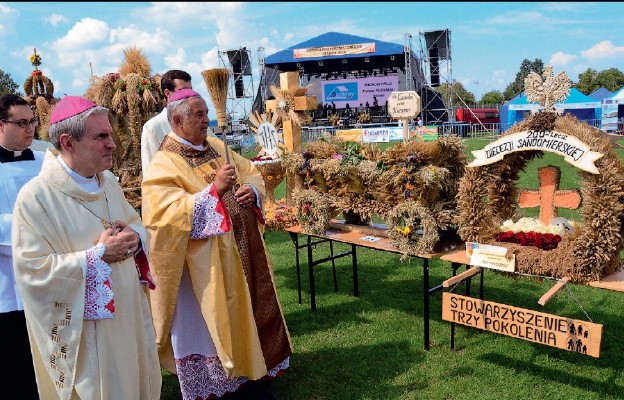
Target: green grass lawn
(370, 347)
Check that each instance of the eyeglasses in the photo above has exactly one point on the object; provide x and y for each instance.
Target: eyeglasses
(22, 123)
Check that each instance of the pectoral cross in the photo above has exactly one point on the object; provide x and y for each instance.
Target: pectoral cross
(548, 198)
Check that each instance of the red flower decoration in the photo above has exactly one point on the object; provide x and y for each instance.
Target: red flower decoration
(37, 72)
(544, 241)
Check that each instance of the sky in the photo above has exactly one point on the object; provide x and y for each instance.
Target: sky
(488, 40)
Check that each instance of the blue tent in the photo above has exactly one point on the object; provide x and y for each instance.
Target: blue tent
(600, 94)
(504, 113)
(581, 106)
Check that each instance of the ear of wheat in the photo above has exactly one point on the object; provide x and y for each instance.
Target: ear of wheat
(217, 82)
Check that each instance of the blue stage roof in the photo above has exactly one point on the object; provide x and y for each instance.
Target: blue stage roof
(334, 39)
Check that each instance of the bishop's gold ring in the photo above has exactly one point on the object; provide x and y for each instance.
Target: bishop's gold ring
(233, 177)
(129, 252)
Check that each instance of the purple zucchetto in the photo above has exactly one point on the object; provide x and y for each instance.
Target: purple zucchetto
(69, 106)
(182, 94)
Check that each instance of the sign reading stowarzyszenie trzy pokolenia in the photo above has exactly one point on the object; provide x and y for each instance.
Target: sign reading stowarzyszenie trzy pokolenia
(552, 330)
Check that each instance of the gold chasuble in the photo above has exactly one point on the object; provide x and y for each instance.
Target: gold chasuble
(231, 275)
(55, 221)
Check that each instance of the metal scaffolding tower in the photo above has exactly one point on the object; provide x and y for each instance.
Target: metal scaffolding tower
(241, 85)
(407, 50)
(263, 84)
(435, 54)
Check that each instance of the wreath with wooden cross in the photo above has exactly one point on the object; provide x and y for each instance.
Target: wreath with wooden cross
(488, 196)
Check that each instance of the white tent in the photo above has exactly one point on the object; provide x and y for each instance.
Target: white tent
(616, 98)
(612, 110)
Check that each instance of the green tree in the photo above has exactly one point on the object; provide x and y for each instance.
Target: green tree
(611, 79)
(526, 67)
(493, 97)
(586, 83)
(455, 94)
(590, 80)
(8, 85)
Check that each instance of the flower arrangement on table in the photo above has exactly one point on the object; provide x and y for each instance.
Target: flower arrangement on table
(412, 228)
(279, 216)
(410, 186)
(488, 195)
(531, 232)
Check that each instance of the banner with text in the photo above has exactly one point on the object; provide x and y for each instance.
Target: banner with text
(371, 90)
(425, 133)
(376, 135)
(609, 120)
(573, 150)
(371, 135)
(339, 50)
(494, 257)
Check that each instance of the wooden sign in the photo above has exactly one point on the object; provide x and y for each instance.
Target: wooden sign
(551, 330)
(404, 104)
(573, 150)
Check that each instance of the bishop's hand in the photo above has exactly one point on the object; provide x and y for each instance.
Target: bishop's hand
(225, 179)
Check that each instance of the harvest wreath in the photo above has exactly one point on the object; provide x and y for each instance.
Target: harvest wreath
(487, 197)
(410, 186)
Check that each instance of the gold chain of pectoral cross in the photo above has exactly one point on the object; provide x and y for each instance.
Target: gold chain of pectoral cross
(106, 223)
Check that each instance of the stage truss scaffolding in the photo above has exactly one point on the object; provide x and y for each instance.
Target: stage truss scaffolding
(435, 55)
(240, 87)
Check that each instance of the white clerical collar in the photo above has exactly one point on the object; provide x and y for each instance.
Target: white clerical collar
(87, 184)
(16, 153)
(186, 142)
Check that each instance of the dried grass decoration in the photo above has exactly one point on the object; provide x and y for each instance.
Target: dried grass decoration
(280, 216)
(313, 211)
(272, 172)
(334, 119)
(44, 107)
(487, 197)
(285, 99)
(412, 229)
(216, 80)
(364, 118)
(37, 84)
(132, 97)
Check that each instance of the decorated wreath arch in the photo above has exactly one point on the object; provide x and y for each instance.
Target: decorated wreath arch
(488, 196)
(132, 94)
